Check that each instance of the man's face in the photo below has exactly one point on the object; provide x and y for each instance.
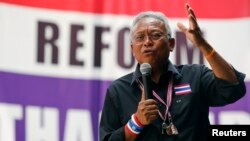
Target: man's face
(150, 42)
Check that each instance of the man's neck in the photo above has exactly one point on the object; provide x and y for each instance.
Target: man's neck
(157, 72)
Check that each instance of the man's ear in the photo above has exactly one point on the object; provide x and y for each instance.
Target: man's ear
(171, 44)
(132, 47)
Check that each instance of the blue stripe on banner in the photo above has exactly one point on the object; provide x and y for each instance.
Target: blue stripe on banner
(61, 94)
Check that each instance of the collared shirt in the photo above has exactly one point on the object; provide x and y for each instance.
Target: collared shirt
(189, 109)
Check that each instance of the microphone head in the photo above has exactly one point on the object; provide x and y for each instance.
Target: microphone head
(145, 68)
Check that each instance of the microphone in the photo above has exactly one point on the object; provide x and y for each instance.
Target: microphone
(146, 69)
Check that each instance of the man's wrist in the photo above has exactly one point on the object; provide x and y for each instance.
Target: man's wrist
(134, 126)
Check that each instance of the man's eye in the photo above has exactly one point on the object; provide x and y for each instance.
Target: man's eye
(156, 35)
(139, 37)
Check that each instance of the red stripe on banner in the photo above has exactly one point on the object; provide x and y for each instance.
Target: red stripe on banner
(172, 8)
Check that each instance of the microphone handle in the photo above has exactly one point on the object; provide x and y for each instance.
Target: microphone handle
(147, 86)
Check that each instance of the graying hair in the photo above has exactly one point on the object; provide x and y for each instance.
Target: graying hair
(158, 15)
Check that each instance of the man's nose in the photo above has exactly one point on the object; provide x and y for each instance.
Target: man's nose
(148, 38)
(148, 41)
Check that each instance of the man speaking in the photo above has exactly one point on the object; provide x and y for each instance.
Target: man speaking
(181, 95)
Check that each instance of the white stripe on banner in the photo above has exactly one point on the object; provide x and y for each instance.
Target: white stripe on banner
(19, 42)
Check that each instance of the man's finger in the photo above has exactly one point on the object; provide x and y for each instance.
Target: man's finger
(192, 23)
(182, 27)
(142, 95)
(152, 107)
(190, 11)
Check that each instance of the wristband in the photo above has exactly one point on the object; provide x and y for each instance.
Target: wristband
(134, 126)
(136, 120)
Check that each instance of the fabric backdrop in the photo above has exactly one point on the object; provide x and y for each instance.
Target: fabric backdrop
(57, 57)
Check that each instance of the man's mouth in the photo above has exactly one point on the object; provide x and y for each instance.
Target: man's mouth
(148, 52)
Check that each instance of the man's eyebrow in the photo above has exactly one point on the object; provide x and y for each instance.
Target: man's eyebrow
(139, 32)
(150, 31)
